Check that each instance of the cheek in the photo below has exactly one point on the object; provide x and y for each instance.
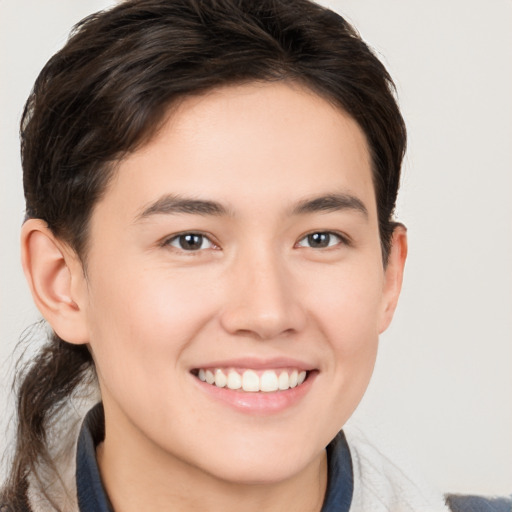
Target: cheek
(141, 321)
(347, 303)
(347, 309)
(150, 299)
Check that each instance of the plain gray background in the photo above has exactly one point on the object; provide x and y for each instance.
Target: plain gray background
(442, 391)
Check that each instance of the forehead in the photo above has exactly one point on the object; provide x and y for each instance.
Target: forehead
(263, 144)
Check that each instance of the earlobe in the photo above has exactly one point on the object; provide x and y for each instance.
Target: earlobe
(52, 270)
(393, 275)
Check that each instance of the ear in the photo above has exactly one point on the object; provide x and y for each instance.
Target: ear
(393, 275)
(56, 279)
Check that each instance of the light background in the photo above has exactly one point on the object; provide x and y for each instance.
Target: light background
(442, 390)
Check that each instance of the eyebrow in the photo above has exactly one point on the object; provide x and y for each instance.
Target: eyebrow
(330, 203)
(170, 204)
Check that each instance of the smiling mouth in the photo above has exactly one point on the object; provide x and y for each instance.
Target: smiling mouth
(252, 381)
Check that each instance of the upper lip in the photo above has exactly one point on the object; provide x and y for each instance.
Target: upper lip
(258, 363)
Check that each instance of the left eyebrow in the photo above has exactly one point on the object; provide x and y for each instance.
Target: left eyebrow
(330, 203)
(172, 204)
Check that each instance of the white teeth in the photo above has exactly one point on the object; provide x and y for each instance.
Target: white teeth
(220, 379)
(293, 378)
(234, 380)
(284, 381)
(210, 378)
(250, 381)
(269, 381)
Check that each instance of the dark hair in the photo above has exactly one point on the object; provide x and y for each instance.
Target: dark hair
(107, 92)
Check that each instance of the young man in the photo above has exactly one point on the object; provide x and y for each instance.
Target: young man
(210, 190)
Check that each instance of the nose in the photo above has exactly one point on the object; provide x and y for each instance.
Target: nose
(262, 302)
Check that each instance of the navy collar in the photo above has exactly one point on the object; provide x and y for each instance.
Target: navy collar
(90, 491)
(93, 498)
(340, 479)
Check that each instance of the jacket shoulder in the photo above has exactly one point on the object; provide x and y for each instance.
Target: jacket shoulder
(469, 503)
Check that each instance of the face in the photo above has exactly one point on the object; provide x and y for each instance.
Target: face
(235, 287)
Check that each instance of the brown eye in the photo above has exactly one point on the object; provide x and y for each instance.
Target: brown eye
(190, 242)
(320, 240)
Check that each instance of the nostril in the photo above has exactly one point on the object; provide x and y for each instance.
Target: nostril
(252, 324)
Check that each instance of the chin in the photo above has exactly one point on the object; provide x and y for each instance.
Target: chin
(257, 472)
(261, 459)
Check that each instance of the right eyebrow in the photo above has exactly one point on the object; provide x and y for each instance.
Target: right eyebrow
(171, 204)
(331, 203)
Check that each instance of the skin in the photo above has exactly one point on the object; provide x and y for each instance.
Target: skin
(151, 311)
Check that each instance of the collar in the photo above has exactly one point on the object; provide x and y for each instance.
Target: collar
(93, 498)
(340, 476)
(90, 491)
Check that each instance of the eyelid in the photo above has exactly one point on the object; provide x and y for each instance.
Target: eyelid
(344, 240)
(166, 242)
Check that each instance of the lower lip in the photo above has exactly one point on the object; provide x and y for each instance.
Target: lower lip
(258, 402)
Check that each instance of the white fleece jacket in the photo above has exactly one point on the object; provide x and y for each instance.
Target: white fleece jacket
(381, 486)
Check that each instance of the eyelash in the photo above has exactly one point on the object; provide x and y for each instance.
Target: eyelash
(180, 240)
(341, 239)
